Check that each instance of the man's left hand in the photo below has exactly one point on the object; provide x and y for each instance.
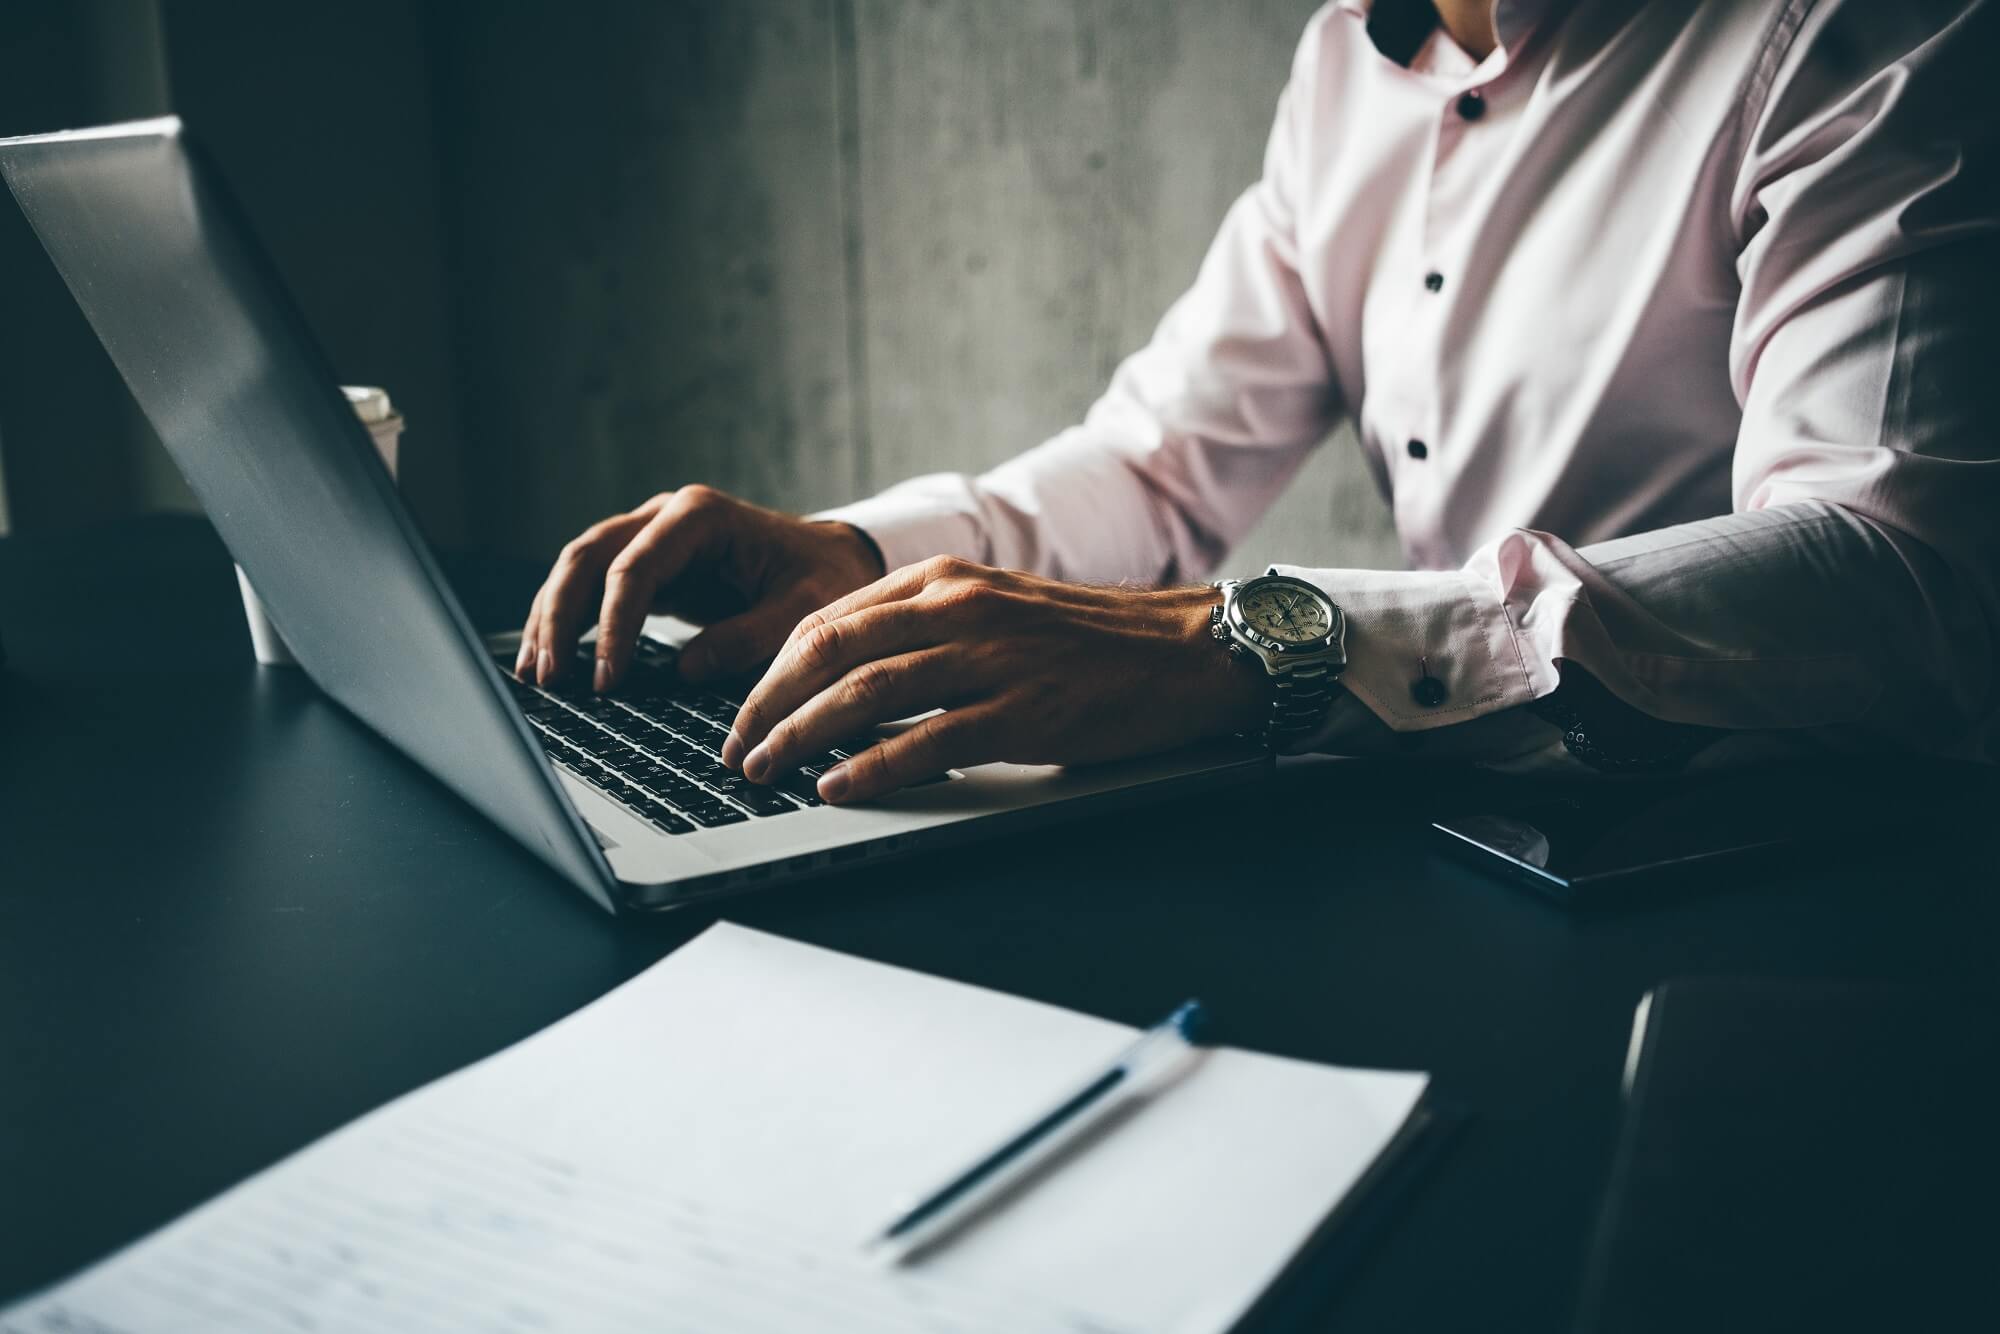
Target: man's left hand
(1027, 670)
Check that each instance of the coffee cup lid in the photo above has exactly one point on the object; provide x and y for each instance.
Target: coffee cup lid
(370, 404)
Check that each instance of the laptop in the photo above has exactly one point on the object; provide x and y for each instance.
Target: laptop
(624, 796)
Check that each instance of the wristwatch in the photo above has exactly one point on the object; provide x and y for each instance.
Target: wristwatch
(1298, 635)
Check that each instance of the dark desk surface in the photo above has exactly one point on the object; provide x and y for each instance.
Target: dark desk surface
(231, 920)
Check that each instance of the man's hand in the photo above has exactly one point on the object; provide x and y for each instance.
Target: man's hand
(747, 574)
(1028, 670)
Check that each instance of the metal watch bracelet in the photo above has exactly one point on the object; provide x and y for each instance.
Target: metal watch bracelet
(1299, 700)
(1299, 697)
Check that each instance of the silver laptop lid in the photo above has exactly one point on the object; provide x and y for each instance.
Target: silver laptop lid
(184, 299)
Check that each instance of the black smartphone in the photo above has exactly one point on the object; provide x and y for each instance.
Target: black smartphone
(1601, 844)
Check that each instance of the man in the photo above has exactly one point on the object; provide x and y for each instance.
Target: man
(1665, 324)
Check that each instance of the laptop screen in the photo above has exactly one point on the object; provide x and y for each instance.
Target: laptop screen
(194, 316)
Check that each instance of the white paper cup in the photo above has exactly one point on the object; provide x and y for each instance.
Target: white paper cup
(385, 427)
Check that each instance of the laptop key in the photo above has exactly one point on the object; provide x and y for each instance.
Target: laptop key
(701, 742)
(650, 738)
(675, 727)
(802, 788)
(764, 801)
(671, 821)
(718, 814)
(689, 723)
(714, 708)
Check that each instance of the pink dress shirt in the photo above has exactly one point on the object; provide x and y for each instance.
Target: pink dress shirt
(1668, 332)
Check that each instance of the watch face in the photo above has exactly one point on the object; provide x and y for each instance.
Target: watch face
(1286, 613)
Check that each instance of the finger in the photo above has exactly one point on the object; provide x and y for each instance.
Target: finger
(955, 740)
(661, 551)
(540, 662)
(535, 660)
(820, 652)
(732, 646)
(524, 657)
(569, 593)
(899, 584)
(630, 581)
(875, 692)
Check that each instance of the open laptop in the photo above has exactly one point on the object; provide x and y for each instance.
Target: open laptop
(624, 796)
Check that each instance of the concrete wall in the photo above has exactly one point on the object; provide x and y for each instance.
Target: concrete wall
(794, 248)
(73, 443)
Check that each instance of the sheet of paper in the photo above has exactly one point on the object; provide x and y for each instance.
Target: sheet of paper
(707, 1147)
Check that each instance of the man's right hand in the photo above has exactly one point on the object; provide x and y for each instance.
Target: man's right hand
(746, 573)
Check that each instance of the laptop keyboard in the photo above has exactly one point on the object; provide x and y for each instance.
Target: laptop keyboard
(655, 746)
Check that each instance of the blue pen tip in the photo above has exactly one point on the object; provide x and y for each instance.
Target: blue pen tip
(1190, 1019)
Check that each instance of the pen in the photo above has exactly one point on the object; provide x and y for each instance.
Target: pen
(1160, 1051)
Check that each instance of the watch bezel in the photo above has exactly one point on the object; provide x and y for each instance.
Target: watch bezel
(1333, 641)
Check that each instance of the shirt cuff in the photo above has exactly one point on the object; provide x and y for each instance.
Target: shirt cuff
(1425, 648)
(914, 521)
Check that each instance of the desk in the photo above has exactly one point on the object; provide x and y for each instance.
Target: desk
(231, 920)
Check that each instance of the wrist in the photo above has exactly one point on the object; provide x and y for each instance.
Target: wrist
(1232, 696)
(858, 551)
(1295, 635)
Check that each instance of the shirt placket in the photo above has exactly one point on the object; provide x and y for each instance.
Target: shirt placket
(1420, 440)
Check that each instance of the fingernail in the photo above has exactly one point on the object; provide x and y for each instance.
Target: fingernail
(545, 667)
(601, 682)
(732, 751)
(756, 762)
(833, 783)
(521, 661)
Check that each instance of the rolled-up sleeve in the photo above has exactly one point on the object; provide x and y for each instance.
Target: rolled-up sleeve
(1854, 594)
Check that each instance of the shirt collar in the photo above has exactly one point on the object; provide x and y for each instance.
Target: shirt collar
(1512, 19)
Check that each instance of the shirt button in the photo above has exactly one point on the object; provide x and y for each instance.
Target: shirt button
(1418, 449)
(1471, 106)
(1427, 691)
(1433, 281)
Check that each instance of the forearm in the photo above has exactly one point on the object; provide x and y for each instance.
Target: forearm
(1099, 503)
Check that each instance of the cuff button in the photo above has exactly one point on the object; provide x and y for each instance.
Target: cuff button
(1427, 691)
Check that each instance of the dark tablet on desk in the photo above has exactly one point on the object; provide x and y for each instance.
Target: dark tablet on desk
(1601, 844)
